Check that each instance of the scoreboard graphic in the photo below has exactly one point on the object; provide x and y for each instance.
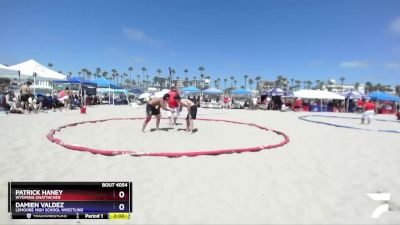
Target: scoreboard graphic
(70, 200)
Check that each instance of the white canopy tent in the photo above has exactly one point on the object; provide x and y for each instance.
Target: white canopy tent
(31, 67)
(6, 72)
(37, 72)
(317, 94)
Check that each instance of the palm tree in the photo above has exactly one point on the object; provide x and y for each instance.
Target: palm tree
(159, 72)
(79, 73)
(232, 78)
(285, 82)
(298, 82)
(89, 74)
(317, 84)
(138, 80)
(186, 72)
(194, 81)
(98, 71)
(84, 72)
(225, 80)
(113, 72)
(147, 80)
(279, 81)
(176, 83)
(69, 75)
(128, 82)
(356, 86)
(235, 81)
(158, 77)
(202, 69)
(309, 83)
(130, 69)
(321, 85)
(144, 70)
(155, 80)
(104, 75)
(172, 72)
(292, 80)
(219, 82)
(50, 65)
(245, 80)
(258, 78)
(379, 87)
(341, 82)
(368, 87)
(216, 83)
(251, 81)
(186, 81)
(125, 75)
(118, 76)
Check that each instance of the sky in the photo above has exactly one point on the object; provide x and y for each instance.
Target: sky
(304, 40)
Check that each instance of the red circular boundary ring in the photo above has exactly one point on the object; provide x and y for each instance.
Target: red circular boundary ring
(50, 137)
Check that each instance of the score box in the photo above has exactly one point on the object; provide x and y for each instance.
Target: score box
(69, 200)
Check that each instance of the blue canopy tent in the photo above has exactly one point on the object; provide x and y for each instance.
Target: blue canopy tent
(106, 90)
(103, 83)
(191, 89)
(212, 91)
(276, 92)
(89, 85)
(383, 96)
(211, 98)
(241, 91)
(75, 80)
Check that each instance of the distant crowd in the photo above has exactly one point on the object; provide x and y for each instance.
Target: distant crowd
(26, 102)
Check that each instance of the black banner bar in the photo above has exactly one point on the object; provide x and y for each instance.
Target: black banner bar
(43, 216)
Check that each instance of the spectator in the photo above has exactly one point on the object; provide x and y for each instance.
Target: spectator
(25, 92)
(174, 105)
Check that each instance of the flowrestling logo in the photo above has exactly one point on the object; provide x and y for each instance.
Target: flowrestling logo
(382, 208)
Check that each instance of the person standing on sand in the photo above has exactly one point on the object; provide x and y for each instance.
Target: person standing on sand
(369, 111)
(25, 92)
(153, 109)
(174, 106)
(67, 98)
(192, 112)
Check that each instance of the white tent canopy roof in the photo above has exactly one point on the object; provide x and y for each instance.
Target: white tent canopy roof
(30, 67)
(317, 94)
(6, 72)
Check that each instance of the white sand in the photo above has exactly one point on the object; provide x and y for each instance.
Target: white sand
(320, 177)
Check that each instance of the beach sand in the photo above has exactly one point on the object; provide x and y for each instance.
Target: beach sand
(321, 176)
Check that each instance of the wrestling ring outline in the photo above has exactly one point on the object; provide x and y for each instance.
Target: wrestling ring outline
(58, 141)
(305, 118)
